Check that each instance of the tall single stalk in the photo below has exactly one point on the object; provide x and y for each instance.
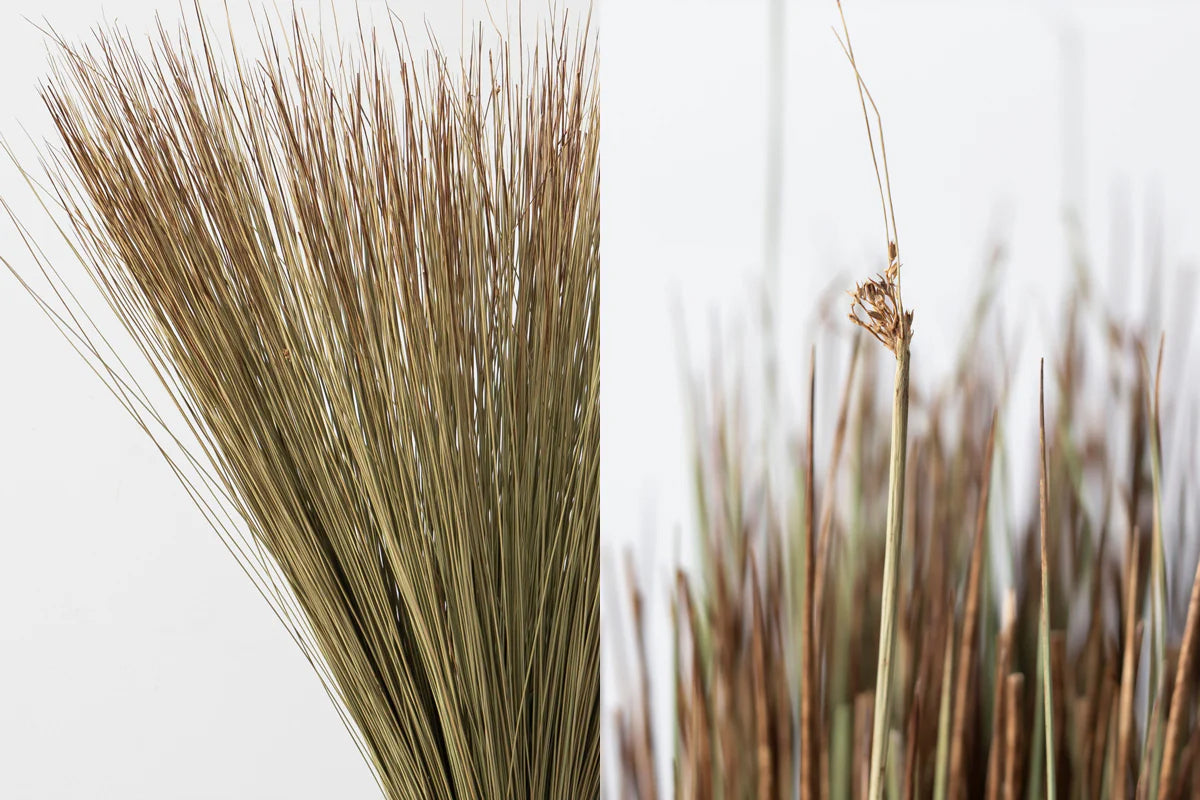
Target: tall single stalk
(1044, 619)
(891, 568)
(876, 305)
(809, 751)
(942, 754)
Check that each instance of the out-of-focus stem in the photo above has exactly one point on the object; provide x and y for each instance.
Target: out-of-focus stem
(1044, 622)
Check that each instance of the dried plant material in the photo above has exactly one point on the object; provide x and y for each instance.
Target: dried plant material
(1158, 569)
(1044, 615)
(809, 676)
(863, 706)
(876, 304)
(1132, 629)
(637, 738)
(966, 661)
(1152, 748)
(369, 289)
(1094, 701)
(915, 647)
(876, 307)
(942, 759)
(1180, 693)
(1014, 740)
(996, 749)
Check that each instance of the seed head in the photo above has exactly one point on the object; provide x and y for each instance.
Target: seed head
(875, 305)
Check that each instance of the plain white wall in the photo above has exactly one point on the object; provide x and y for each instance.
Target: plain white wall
(981, 125)
(136, 660)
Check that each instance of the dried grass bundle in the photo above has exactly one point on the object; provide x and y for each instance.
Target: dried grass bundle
(899, 668)
(970, 714)
(369, 287)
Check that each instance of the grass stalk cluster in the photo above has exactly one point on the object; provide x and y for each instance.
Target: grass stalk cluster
(362, 292)
(1021, 663)
(936, 639)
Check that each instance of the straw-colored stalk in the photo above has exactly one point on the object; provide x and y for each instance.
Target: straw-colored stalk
(891, 570)
(876, 306)
(1158, 581)
(1044, 616)
(942, 754)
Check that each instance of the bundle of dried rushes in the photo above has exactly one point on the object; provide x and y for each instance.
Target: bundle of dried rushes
(369, 288)
(968, 711)
(775, 695)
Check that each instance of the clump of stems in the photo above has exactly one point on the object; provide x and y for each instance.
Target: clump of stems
(368, 284)
(989, 700)
(937, 663)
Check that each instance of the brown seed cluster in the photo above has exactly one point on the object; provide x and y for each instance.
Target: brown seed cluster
(875, 305)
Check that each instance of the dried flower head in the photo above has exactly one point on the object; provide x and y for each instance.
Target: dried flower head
(879, 298)
(875, 305)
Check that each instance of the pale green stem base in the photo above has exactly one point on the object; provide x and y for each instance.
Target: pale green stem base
(891, 570)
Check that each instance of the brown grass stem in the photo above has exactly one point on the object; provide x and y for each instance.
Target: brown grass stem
(809, 679)
(999, 709)
(962, 689)
(1180, 694)
(1013, 741)
(1128, 671)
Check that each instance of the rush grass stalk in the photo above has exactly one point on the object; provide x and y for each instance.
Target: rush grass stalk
(809, 677)
(1158, 569)
(1044, 615)
(971, 692)
(942, 758)
(891, 571)
(962, 707)
(877, 306)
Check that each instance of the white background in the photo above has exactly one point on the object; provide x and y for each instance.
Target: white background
(982, 125)
(136, 660)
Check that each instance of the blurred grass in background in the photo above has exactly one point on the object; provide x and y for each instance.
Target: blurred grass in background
(967, 716)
